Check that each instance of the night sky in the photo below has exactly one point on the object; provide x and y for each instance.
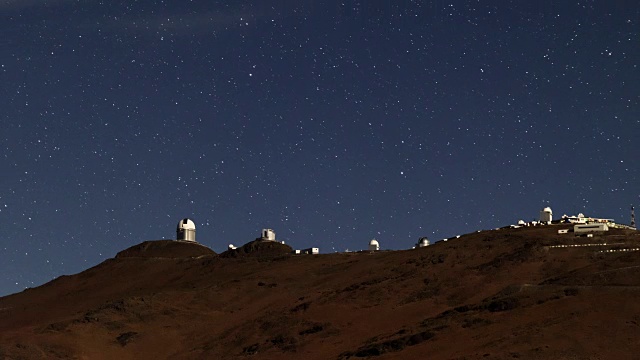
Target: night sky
(332, 122)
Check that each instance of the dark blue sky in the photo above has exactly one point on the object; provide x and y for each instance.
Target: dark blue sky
(330, 122)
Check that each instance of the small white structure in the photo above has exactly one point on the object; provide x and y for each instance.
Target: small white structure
(546, 215)
(521, 222)
(268, 234)
(232, 247)
(186, 230)
(579, 219)
(423, 242)
(374, 245)
(310, 251)
(563, 231)
(588, 228)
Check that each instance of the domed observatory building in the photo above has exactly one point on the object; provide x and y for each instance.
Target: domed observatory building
(374, 245)
(546, 215)
(186, 230)
(423, 242)
(268, 235)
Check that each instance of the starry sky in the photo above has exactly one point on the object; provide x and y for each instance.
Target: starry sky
(332, 122)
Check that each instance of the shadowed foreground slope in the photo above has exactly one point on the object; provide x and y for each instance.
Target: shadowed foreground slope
(502, 294)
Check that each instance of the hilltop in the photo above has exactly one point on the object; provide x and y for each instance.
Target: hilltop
(499, 294)
(166, 249)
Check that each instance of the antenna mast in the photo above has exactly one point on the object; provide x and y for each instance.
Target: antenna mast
(633, 217)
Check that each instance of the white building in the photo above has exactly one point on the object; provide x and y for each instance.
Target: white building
(268, 234)
(546, 215)
(582, 219)
(587, 228)
(232, 247)
(579, 219)
(311, 251)
(423, 242)
(374, 245)
(186, 230)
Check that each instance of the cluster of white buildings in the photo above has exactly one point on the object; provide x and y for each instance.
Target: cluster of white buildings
(582, 224)
(546, 218)
(270, 235)
(186, 231)
(374, 245)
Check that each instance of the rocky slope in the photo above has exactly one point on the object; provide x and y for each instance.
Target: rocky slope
(500, 294)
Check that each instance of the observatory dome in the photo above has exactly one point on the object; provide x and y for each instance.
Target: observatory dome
(424, 241)
(268, 234)
(374, 245)
(186, 230)
(546, 215)
(186, 224)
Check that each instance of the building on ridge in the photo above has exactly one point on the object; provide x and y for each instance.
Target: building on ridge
(589, 228)
(186, 230)
(423, 242)
(268, 235)
(374, 245)
(309, 251)
(579, 219)
(546, 215)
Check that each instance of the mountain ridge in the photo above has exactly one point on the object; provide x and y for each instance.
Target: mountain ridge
(498, 294)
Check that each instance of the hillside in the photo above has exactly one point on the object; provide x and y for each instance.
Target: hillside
(166, 249)
(500, 294)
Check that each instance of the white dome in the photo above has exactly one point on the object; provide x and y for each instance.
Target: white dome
(374, 242)
(424, 241)
(186, 230)
(547, 209)
(186, 224)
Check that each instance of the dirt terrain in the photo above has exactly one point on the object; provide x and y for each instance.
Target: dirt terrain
(498, 294)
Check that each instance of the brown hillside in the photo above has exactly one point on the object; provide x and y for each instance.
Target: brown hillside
(503, 294)
(166, 249)
(259, 248)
